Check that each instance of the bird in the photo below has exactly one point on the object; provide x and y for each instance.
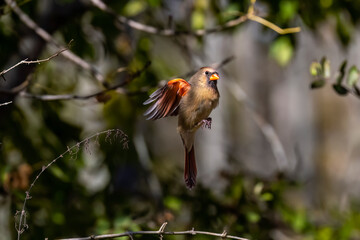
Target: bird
(192, 102)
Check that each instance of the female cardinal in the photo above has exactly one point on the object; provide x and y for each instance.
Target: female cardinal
(193, 102)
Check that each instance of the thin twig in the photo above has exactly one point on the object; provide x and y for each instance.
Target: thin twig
(48, 97)
(118, 87)
(118, 134)
(25, 61)
(266, 128)
(281, 31)
(165, 32)
(49, 39)
(201, 32)
(222, 63)
(5, 103)
(223, 235)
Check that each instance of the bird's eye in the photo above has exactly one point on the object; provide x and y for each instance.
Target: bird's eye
(207, 72)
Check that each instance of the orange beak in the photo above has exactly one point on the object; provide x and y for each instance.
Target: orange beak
(215, 76)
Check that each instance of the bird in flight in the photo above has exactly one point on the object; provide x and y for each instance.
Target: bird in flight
(192, 102)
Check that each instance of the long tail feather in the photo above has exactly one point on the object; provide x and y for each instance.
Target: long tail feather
(190, 168)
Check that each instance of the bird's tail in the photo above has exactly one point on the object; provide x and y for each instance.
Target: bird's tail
(190, 168)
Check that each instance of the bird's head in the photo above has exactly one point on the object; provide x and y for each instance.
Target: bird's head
(206, 76)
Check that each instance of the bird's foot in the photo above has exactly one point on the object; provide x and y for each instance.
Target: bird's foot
(206, 123)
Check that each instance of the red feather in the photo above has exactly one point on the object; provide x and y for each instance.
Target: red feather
(190, 168)
(167, 99)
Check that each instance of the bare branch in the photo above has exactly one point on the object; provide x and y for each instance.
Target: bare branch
(268, 131)
(49, 39)
(25, 61)
(49, 97)
(225, 61)
(201, 32)
(117, 134)
(166, 32)
(223, 235)
(272, 26)
(6, 103)
(117, 87)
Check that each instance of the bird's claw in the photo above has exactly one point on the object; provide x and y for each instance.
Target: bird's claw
(206, 123)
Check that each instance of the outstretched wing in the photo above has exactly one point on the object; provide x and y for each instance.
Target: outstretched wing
(167, 99)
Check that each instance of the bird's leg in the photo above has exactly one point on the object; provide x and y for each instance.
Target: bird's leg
(206, 123)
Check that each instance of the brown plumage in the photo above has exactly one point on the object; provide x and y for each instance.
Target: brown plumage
(193, 102)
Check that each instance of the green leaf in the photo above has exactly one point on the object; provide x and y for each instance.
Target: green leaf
(252, 217)
(315, 69)
(340, 78)
(325, 233)
(134, 7)
(282, 50)
(343, 66)
(325, 65)
(58, 218)
(173, 203)
(342, 91)
(317, 83)
(59, 173)
(353, 76)
(288, 10)
(198, 19)
(267, 196)
(258, 188)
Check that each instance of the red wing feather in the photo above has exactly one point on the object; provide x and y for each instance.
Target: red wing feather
(167, 99)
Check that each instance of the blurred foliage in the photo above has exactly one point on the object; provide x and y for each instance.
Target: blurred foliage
(65, 201)
(321, 73)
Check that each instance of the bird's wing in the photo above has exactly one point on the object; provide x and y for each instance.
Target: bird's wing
(167, 99)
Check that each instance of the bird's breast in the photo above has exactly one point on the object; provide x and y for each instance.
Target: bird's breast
(196, 107)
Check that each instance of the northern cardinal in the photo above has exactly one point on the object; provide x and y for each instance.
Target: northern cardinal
(193, 102)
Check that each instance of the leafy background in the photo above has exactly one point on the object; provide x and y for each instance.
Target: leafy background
(242, 187)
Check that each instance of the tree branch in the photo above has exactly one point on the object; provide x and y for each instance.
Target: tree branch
(25, 61)
(165, 32)
(6, 103)
(117, 87)
(49, 39)
(272, 26)
(116, 134)
(198, 33)
(268, 130)
(160, 232)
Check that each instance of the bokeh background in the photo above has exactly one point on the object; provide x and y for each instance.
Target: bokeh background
(280, 162)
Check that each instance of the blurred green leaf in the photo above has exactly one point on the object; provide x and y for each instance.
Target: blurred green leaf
(317, 84)
(282, 51)
(102, 225)
(231, 11)
(288, 10)
(59, 173)
(125, 223)
(134, 7)
(353, 76)
(340, 89)
(344, 27)
(325, 233)
(267, 196)
(198, 19)
(252, 217)
(258, 188)
(340, 78)
(58, 218)
(154, 3)
(173, 203)
(325, 66)
(315, 69)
